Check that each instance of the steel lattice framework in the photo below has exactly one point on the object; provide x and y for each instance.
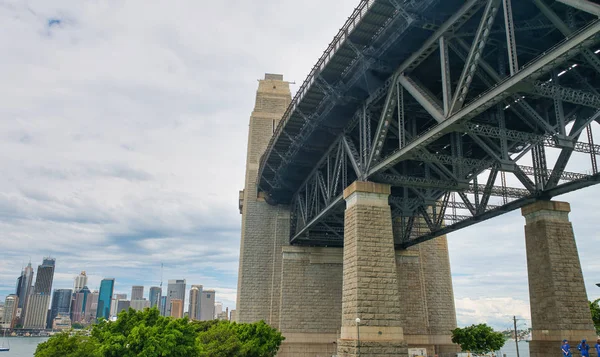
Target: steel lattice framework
(447, 101)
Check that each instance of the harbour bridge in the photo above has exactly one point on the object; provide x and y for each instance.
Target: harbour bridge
(457, 111)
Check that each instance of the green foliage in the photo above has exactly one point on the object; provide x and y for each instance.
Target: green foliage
(596, 314)
(66, 345)
(478, 338)
(147, 334)
(77, 326)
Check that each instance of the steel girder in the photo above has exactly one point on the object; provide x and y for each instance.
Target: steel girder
(429, 142)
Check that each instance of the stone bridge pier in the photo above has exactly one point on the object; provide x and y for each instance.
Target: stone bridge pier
(558, 299)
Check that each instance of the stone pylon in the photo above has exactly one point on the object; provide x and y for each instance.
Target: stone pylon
(370, 280)
(265, 228)
(558, 299)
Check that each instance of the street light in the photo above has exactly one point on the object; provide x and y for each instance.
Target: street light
(357, 336)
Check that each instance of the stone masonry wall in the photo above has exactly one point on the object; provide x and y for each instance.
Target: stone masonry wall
(558, 298)
(265, 228)
(411, 292)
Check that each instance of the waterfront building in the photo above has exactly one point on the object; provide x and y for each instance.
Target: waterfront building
(154, 297)
(207, 304)
(104, 299)
(175, 290)
(80, 281)
(37, 311)
(79, 304)
(61, 304)
(61, 322)
(137, 292)
(11, 304)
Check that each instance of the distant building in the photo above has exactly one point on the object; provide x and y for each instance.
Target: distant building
(36, 314)
(122, 305)
(61, 305)
(232, 316)
(222, 316)
(91, 306)
(163, 305)
(37, 311)
(154, 297)
(11, 304)
(207, 304)
(113, 307)
(104, 299)
(25, 289)
(120, 297)
(80, 281)
(137, 292)
(79, 304)
(140, 305)
(175, 290)
(176, 308)
(194, 307)
(61, 322)
(218, 309)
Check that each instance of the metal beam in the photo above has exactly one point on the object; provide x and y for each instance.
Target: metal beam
(324, 213)
(583, 5)
(424, 98)
(569, 95)
(553, 58)
(511, 44)
(446, 78)
(475, 54)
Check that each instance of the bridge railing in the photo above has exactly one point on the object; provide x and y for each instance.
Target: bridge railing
(359, 12)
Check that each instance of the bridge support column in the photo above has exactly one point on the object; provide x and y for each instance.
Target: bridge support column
(559, 305)
(370, 281)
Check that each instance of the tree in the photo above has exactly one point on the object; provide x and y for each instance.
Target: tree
(595, 314)
(147, 334)
(478, 338)
(66, 345)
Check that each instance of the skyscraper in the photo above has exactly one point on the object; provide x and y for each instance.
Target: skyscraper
(207, 304)
(91, 306)
(36, 313)
(80, 281)
(25, 289)
(11, 304)
(194, 307)
(175, 290)
(104, 299)
(137, 292)
(154, 297)
(218, 308)
(78, 307)
(45, 276)
(61, 304)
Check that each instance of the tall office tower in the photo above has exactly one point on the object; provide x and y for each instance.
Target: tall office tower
(78, 307)
(61, 305)
(218, 309)
(11, 304)
(36, 314)
(154, 297)
(113, 307)
(194, 307)
(175, 290)
(137, 292)
(207, 304)
(91, 306)
(176, 308)
(80, 281)
(25, 289)
(104, 299)
(120, 297)
(45, 276)
(163, 305)
(122, 305)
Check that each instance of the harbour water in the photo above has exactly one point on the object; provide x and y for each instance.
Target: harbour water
(21, 346)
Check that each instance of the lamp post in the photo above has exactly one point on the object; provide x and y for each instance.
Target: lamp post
(357, 336)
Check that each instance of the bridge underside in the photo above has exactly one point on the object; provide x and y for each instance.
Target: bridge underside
(469, 109)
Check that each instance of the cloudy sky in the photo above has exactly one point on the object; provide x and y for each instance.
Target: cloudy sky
(123, 129)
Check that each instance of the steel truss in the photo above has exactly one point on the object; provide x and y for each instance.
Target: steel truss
(433, 133)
